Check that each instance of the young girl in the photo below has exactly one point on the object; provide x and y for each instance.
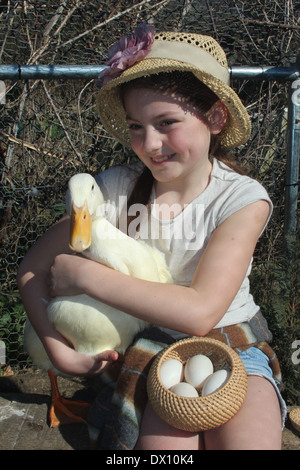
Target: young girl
(167, 97)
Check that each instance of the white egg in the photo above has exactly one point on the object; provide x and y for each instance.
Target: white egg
(197, 369)
(171, 372)
(184, 390)
(215, 381)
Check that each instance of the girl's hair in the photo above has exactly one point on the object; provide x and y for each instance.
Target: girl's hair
(187, 87)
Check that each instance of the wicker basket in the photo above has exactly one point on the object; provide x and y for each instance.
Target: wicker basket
(203, 413)
(294, 416)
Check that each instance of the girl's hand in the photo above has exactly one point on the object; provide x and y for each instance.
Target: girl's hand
(71, 362)
(65, 275)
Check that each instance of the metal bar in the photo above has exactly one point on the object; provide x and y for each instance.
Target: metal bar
(293, 150)
(9, 72)
(47, 72)
(265, 73)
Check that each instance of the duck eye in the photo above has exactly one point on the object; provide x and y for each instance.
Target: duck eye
(93, 187)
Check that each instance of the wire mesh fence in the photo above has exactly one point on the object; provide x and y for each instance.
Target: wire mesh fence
(50, 130)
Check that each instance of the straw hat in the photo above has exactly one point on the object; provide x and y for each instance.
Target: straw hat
(171, 51)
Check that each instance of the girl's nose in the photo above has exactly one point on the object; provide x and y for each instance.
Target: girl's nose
(152, 140)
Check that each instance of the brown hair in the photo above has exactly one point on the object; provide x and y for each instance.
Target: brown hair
(196, 93)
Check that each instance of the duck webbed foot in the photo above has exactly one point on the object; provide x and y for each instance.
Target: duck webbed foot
(65, 411)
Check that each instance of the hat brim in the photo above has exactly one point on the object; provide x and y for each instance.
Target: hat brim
(236, 131)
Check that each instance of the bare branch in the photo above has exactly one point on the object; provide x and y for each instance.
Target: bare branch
(78, 104)
(243, 21)
(10, 150)
(9, 26)
(54, 19)
(61, 122)
(109, 20)
(271, 23)
(47, 38)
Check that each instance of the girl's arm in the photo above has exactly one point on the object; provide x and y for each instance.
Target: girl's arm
(194, 310)
(33, 278)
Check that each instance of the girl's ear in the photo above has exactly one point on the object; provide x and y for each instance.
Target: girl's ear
(217, 116)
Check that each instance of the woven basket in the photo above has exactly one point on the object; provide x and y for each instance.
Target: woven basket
(294, 416)
(203, 413)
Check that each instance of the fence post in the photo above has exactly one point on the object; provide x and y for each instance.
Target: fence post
(292, 170)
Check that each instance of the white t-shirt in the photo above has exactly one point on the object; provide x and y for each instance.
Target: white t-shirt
(184, 237)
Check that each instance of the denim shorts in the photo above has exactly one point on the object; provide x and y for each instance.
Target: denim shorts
(256, 362)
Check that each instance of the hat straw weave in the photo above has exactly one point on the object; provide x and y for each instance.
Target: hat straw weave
(195, 53)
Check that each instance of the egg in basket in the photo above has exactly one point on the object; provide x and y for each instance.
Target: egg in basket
(217, 399)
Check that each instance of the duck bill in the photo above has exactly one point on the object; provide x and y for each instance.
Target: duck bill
(81, 228)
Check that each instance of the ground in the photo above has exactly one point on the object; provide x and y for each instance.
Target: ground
(24, 404)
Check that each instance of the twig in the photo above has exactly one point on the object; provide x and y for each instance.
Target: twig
(61, 122)
(54, 19)
(271, 23)
(9, 25)
(27, 29)
(212, 18)
(48, 39)
(33, 147)
(243, 21)
(184, 12)
(109, 20)
(78, 104)
(10, 150)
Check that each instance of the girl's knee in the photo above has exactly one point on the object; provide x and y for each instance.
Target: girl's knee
(156, 434)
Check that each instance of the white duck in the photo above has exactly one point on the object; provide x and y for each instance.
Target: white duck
(89, 325)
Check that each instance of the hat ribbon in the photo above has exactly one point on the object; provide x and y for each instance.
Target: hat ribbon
(189, 54)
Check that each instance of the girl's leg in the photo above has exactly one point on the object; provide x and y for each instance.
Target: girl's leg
(256, 426)
(155, 434)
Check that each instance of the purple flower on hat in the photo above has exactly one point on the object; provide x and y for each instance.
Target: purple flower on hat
(126, 52)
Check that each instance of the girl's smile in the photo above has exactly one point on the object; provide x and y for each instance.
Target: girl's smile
(158, 160)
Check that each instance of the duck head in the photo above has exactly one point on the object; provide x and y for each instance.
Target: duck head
(82, 200)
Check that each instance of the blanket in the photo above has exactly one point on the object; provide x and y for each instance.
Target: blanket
(116, 413)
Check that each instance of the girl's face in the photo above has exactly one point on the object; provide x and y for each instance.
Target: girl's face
(168, 135)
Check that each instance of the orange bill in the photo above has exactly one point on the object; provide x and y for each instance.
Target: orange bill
(81, 228)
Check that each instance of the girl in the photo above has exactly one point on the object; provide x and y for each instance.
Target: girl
(167, 97)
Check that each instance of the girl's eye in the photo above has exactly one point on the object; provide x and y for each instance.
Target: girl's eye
(134, 127)
(167, 122)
